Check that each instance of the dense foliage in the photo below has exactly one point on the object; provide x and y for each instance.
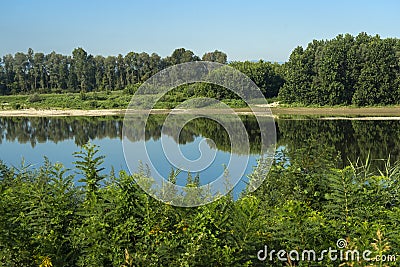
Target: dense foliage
(37, 72)
(27, 73)
(362, 70)
(107, 220)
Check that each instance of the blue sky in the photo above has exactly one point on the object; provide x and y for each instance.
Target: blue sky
(251, 30)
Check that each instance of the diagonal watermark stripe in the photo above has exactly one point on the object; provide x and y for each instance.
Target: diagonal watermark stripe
(142, 104)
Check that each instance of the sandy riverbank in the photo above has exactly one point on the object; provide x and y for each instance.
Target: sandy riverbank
(60, 113)
(380, 113)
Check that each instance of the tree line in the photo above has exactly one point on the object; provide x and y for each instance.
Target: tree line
(36, 72)
(362, 70)
(347, 70)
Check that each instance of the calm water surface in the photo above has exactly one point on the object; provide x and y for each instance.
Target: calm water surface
(31, 139)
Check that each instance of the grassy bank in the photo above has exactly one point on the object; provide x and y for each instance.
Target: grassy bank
(85, 101)
(88, 101)
(115, 102)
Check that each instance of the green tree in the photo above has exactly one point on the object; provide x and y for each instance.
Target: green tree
(263, 74)
(331, 81)
(181, 55)
(80, 68)
(378, 80)
(9, 74)
(39, 76)
(21, 71)
(216, 56)
(298, 76)
(3, 84)
(99, 67)
(109, 78)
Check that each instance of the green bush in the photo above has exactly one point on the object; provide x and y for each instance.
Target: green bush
(83, 95)
(16, 106)
(35, 98)
(131, 88)
(108, 220)
(93, 104)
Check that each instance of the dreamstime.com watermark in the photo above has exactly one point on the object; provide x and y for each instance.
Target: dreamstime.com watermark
(338, 253)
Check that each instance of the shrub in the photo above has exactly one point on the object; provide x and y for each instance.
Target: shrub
(108, 220)
(56, 90)
(16, 106)
(131, 88)
(83, 95)
(35, 98)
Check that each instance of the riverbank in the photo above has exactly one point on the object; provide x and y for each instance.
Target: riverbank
(114, 103)
(328, 113)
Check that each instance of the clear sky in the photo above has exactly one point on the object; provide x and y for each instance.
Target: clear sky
(251, 30)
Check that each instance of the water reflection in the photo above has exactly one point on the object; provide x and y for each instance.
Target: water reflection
(349, 139)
